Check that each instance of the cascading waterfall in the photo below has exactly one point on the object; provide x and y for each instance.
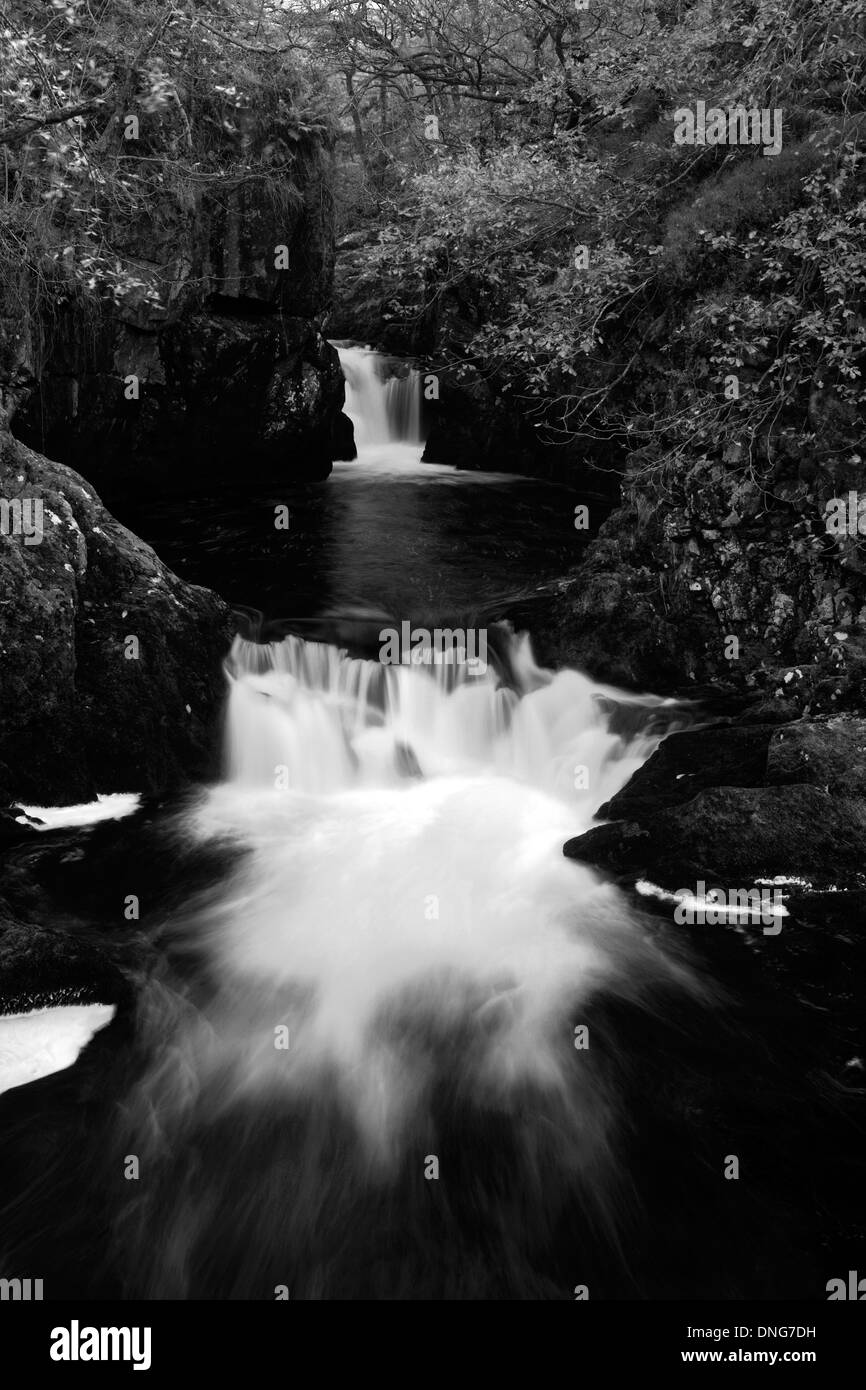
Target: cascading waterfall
(401, 949)
(379, 1052)
(384, 408)
(335, 722)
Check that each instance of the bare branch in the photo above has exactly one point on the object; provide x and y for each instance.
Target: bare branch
(12, 134)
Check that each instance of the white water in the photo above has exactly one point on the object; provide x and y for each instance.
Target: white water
(397, 954)
(401, 910)
(385, 410)
(44, 1041)
(391, 967)
(336, 722)
(111, 806)
(404, 885)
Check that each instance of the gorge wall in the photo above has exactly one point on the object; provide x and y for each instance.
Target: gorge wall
(165, 254)
(166, 324)
(110, 666)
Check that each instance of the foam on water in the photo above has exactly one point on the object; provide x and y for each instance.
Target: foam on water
(111, 806)
(403, 883)
(44, 1041)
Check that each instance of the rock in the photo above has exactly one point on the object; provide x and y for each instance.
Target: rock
(741, 833)
(214, 387)
(110, 666)
(41, 967)
(207, 350)
(830, 754)
(775, 709)
(608, 624)
(15, 826)
(688, 762)
(620, 847)
(474, 424)
(83, 874)
(686, 588)
(739, 803)
(472, 427)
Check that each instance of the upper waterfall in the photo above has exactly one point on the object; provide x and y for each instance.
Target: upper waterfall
(384, 408)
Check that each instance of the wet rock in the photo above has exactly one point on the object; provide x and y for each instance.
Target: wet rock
(689, 762)
(830, 754)
(471, 426)
(208, 350)
(214, 388)
(41, 967)
(703, 586)
(15, 826)
(110, 666)
(741, 833)
(607, 623)
(736, 804)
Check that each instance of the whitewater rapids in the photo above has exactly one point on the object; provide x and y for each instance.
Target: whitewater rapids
(402, 886)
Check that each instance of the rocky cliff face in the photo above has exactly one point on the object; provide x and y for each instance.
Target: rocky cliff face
(158, 328)
(214, 386)
(200, 343)
(721, 580)
(110, 666)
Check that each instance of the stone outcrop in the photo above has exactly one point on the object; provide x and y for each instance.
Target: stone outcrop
(200, 344)
(110, 666)
(736, 804)
(717, 580)
(216, 388)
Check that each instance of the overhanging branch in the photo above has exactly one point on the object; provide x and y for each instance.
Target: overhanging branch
(11, 134)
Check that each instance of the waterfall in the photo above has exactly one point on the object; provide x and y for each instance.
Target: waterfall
(385, 408)
(335, 722)
(366, 1025)
(399, 954)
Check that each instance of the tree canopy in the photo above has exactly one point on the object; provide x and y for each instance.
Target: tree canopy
(514, 163)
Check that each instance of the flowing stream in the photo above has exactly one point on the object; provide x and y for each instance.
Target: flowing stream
(373, 1057)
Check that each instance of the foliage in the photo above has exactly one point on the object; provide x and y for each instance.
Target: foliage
(554, 133)
(703, 261)
(214, 115)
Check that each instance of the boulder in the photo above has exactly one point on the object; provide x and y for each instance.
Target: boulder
(737, 804)
(213, 388)
(830, 755)
(199, 344)
(110, 666)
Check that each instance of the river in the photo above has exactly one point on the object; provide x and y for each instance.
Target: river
(378, 1038)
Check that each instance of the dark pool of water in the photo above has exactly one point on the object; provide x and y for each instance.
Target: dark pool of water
(387, 533)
